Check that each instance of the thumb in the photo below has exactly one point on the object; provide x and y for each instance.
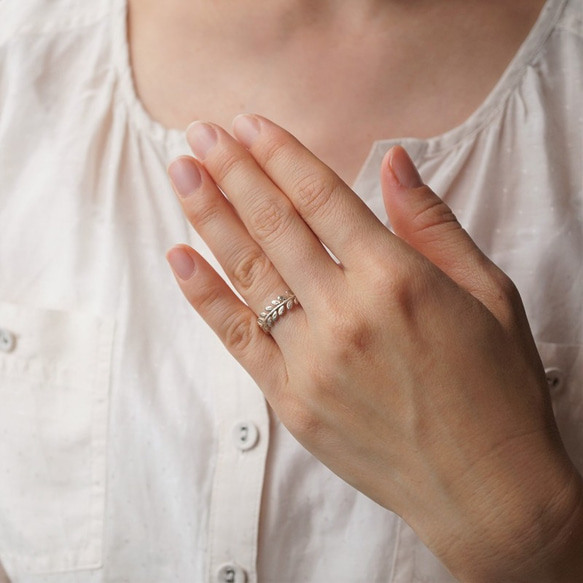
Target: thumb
(426, 223)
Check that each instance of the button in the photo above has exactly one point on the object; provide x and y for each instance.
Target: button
(245, 435)
(231, 573)
(7, 340)
(555, 378)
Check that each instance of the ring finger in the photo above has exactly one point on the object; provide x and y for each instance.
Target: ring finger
(215, 219)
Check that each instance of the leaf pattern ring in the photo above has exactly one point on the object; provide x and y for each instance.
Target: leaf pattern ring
(276, 309)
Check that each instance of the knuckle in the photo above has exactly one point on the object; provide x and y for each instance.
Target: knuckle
(506, 290)
(351, 338)
(269, 221)
(229, 164)
(303, 422)
(275, 152)
(239, 334)
(205, 298)
(203, 213)
(391, 281)
(381, 274)
(252, 268)
(433, 216)
(313, 193)
(357, 339)
(407, 289)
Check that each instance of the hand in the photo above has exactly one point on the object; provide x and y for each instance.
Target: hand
(408, 368)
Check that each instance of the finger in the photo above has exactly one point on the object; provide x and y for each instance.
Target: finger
(424, 221)
(231, 320)
(215, 219)
(339, 218)
(266, 212)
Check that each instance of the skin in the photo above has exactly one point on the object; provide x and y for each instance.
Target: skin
(448, 425)
(395, 66)
(450, 447)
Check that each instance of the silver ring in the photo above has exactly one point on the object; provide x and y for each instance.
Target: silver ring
(278, 307)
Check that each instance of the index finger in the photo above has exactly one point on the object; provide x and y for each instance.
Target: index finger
(338, 217)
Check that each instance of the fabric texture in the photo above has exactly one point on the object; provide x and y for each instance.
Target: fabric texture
(121, 453)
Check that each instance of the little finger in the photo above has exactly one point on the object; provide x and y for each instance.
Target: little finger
(233, 322)
(215, 219)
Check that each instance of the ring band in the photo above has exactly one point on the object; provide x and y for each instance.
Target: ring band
(276, 309)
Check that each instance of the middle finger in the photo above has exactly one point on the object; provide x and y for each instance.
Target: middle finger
(266, 212)
(215, 220)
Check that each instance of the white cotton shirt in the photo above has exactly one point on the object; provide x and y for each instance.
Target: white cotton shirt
(133, 448)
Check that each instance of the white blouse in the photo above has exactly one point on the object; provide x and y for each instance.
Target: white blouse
(133, 448)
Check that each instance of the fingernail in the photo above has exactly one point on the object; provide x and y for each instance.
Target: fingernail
(246, 129)
(181, 262)
(403, 168)
(202, 137)
(185, 176)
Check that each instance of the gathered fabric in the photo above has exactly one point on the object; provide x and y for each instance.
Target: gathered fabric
(125, 426)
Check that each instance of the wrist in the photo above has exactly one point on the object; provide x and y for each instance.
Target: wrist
(566, 558)
(534, 534)
(549, 546)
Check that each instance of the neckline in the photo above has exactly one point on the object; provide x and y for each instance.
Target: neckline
(528, 50)
(417, 147)
(170, 137)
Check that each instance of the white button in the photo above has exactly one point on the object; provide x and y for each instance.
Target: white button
(245, 435)
(231, 573)
(555, 378)
(7, 340)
